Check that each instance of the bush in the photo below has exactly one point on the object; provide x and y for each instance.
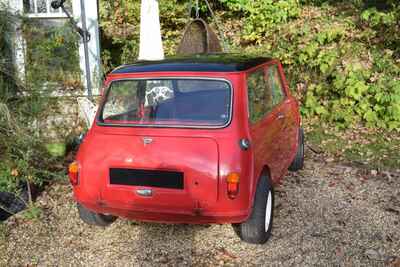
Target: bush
(23, 157)
(383, 27)
(339, 69)
(52, 57)
(8, 85)
(263, 15)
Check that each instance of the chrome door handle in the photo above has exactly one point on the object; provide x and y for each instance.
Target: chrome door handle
(280, 116)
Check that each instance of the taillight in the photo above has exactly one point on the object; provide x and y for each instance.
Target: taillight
(232, 181)
(73, 173)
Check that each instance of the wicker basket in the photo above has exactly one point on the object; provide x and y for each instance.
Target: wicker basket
(199, 38)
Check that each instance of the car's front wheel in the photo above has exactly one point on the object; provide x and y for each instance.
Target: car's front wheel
(94, 218)
(257, 229)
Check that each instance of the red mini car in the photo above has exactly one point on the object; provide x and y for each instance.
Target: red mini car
(190, 140)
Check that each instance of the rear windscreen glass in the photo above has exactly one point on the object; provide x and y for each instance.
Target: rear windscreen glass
(169, 102)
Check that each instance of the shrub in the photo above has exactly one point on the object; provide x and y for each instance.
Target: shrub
(383, 27)
(23, 158)
(264, 15)
(52, 57)
(8, 85)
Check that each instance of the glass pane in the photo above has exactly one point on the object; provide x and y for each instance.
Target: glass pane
(187, 86)
(52, 10)
(274, 82)
(42, 6)
(29, 6)
(68, 6)
(260, 98)
(181, 102)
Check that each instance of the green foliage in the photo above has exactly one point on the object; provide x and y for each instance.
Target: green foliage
(376, 18)
(7, 82)
(383, 27)
(263, 15)
(33, 212)
(340, 76)
(351, 86)
(52, 56)
(24, 157)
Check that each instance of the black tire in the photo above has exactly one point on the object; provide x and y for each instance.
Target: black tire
(298, 161)
(93, 218)
(255, 229)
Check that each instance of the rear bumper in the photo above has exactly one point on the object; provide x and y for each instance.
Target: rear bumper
(154, 212)
(197, 217)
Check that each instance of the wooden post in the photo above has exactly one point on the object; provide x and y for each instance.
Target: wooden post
(150, 31)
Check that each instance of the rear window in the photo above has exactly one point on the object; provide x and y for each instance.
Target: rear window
(167, 102)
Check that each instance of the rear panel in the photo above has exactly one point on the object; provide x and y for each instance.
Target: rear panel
(181, 172)
(188, 167)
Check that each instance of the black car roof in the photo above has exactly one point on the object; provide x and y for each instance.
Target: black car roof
(201, 63)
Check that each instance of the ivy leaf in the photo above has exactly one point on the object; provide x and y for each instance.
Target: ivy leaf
(370, 116)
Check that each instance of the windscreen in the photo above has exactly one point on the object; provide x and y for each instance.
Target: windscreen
(167, 102)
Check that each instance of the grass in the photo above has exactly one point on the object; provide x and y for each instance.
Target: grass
(372, 149)
(33, 212)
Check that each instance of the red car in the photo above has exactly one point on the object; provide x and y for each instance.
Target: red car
(190, 140)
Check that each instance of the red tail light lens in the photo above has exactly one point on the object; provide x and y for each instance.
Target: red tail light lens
(233, 185)
(73, 173)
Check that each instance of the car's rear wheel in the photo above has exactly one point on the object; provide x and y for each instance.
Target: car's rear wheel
(257, 229)
(94, 218)
(298, 162)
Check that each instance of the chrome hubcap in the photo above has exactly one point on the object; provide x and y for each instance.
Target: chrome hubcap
(268, 211)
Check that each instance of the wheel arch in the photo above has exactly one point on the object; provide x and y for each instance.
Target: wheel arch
(265, 171)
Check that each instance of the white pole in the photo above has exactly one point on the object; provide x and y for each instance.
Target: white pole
(150, 31)
(93, 45)
(86, 107)
(19, 42)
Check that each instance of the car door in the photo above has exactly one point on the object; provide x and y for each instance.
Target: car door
(283, 107)
(265, 125)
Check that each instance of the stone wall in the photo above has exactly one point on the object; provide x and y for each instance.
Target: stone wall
(62, 119)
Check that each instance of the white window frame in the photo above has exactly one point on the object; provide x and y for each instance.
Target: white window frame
(48, 14)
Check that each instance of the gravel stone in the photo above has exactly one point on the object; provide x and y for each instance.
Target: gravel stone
(326, 215)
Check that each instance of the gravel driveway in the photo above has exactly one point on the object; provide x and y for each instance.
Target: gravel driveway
(327, 214)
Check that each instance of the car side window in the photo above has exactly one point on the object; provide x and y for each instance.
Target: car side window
(259, 96)
(275, 84)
